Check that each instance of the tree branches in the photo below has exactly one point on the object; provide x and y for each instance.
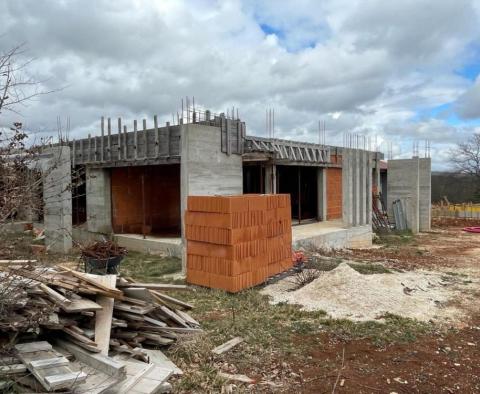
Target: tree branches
(466, 157)
(16, 87)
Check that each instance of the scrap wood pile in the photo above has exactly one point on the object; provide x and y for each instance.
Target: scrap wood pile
(91, 314)
(102, 250)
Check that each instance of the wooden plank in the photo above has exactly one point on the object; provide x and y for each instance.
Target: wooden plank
(171, 300)
(54, 295)
(158, 358)
(89, 279)
(65, 380)
(227, 345)
(98, 361)
(172, 315)
(185, 316)
(12, 369)
(236, 378)
(17, 262)
(79, 337)
(103, 318)
(53, 376)
(140, 293)
(156, 286)
(33, 347)
(155, 322)
(49, 362)
(82, 304)
(141, 310)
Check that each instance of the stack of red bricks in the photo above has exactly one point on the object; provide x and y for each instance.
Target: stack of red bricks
(236, 242)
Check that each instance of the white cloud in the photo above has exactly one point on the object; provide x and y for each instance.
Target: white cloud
(362, 66)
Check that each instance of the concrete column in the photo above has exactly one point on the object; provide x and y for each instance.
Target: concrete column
(347, 187)
(362, 195)
(425, 194)
(356, 187)
(403, 184)
(57, 197)
(205, 169)
(99, 200)
(369, 187)
(321, 194)
(270, 179)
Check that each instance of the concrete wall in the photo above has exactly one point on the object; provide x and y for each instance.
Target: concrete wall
(57, 198)
(205, 170)
(99, 200)
(403, 184)
(356, 187)
(425, 194)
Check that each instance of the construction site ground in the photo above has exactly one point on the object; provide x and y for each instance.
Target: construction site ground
(288, 349)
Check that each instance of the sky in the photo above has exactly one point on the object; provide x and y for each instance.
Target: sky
(398, 72)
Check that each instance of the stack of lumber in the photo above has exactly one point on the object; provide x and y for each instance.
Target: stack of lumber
(96, 314)
(236, 242)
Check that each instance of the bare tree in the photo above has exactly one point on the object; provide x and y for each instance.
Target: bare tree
(20, 178)
(466, 157)
(16, 86)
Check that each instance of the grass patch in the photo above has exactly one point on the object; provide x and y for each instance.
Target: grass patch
(146, 267)
(396, 238)
(271, 333)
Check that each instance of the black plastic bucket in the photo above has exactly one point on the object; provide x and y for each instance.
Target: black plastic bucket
(103, 266)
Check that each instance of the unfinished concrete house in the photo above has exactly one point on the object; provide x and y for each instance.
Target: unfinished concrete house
(134, 184)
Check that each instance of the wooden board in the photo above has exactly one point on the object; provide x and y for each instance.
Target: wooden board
(227, 345)
(79, 305)
(51, 377)
(156, 286)
(103, 318)
(96, 360)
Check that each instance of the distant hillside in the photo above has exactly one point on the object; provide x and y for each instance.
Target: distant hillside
(456, 187)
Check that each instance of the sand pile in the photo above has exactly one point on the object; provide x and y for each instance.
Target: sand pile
(345, 293)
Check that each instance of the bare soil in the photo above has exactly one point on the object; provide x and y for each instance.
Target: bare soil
(440, 362)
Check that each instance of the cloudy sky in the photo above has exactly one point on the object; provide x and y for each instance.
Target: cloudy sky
(397, 71)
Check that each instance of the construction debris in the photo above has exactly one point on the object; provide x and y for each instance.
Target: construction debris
(91, 318)
(227, 345)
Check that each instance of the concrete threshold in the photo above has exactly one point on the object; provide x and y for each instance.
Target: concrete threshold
(331, 235)
(171, 246)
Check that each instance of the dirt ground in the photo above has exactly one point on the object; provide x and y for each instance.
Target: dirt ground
(442, 362)
(288, 350)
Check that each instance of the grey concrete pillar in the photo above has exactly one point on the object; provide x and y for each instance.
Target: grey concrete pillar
(357, 187)
(321, 194)
(205, 169)
(57, 197)
(347, 187)
(403, 184)
(369, 187)
(270, 179)
(99, 200)
(425, 194)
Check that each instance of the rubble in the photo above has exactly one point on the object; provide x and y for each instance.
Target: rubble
(103, 323)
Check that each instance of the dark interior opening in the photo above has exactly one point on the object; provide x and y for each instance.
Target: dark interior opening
(79, 196)
(146, 200)
(253, 178)
(301, 184)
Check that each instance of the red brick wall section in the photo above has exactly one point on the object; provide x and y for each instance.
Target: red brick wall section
(162, 199)
(236, 242)
(334, 193)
